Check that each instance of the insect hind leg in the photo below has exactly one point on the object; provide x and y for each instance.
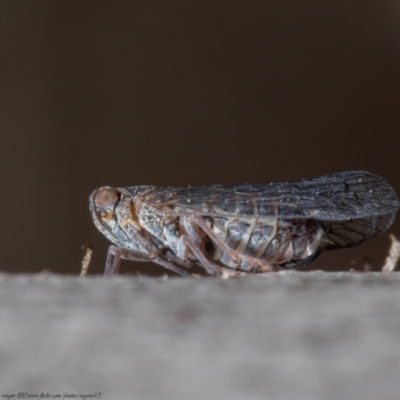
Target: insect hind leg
(300, 263)
(260, 265)
(187, 243)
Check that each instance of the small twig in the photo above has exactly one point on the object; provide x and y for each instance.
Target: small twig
(86, 259)
(393, 256)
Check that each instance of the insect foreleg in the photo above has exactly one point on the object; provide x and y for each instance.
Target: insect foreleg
(261, 265)
(116, 254)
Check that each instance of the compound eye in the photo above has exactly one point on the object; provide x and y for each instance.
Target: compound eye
(105, 197)
(106, 215)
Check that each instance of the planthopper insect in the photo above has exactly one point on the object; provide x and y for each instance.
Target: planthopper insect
(242, 229)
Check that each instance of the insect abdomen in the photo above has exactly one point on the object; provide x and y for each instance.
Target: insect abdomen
(244, 235)
(279, 242)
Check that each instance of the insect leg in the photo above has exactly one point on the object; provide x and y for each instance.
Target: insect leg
(211, 268)
(116, 254)
(186, 262)
(220, 271)
(166, 264)
(299, 263)
(262, 265)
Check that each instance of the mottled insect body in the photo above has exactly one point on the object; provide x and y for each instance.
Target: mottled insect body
(241, 229)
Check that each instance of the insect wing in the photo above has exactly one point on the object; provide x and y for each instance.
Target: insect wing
(354, 206)
(356, 231)
(334, 197)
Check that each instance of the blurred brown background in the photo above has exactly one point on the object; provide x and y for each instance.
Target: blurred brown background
(173, 93)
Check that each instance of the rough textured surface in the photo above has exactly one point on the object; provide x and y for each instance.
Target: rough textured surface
(283, 336)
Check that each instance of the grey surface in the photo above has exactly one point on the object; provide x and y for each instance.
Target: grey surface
(283, 336)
